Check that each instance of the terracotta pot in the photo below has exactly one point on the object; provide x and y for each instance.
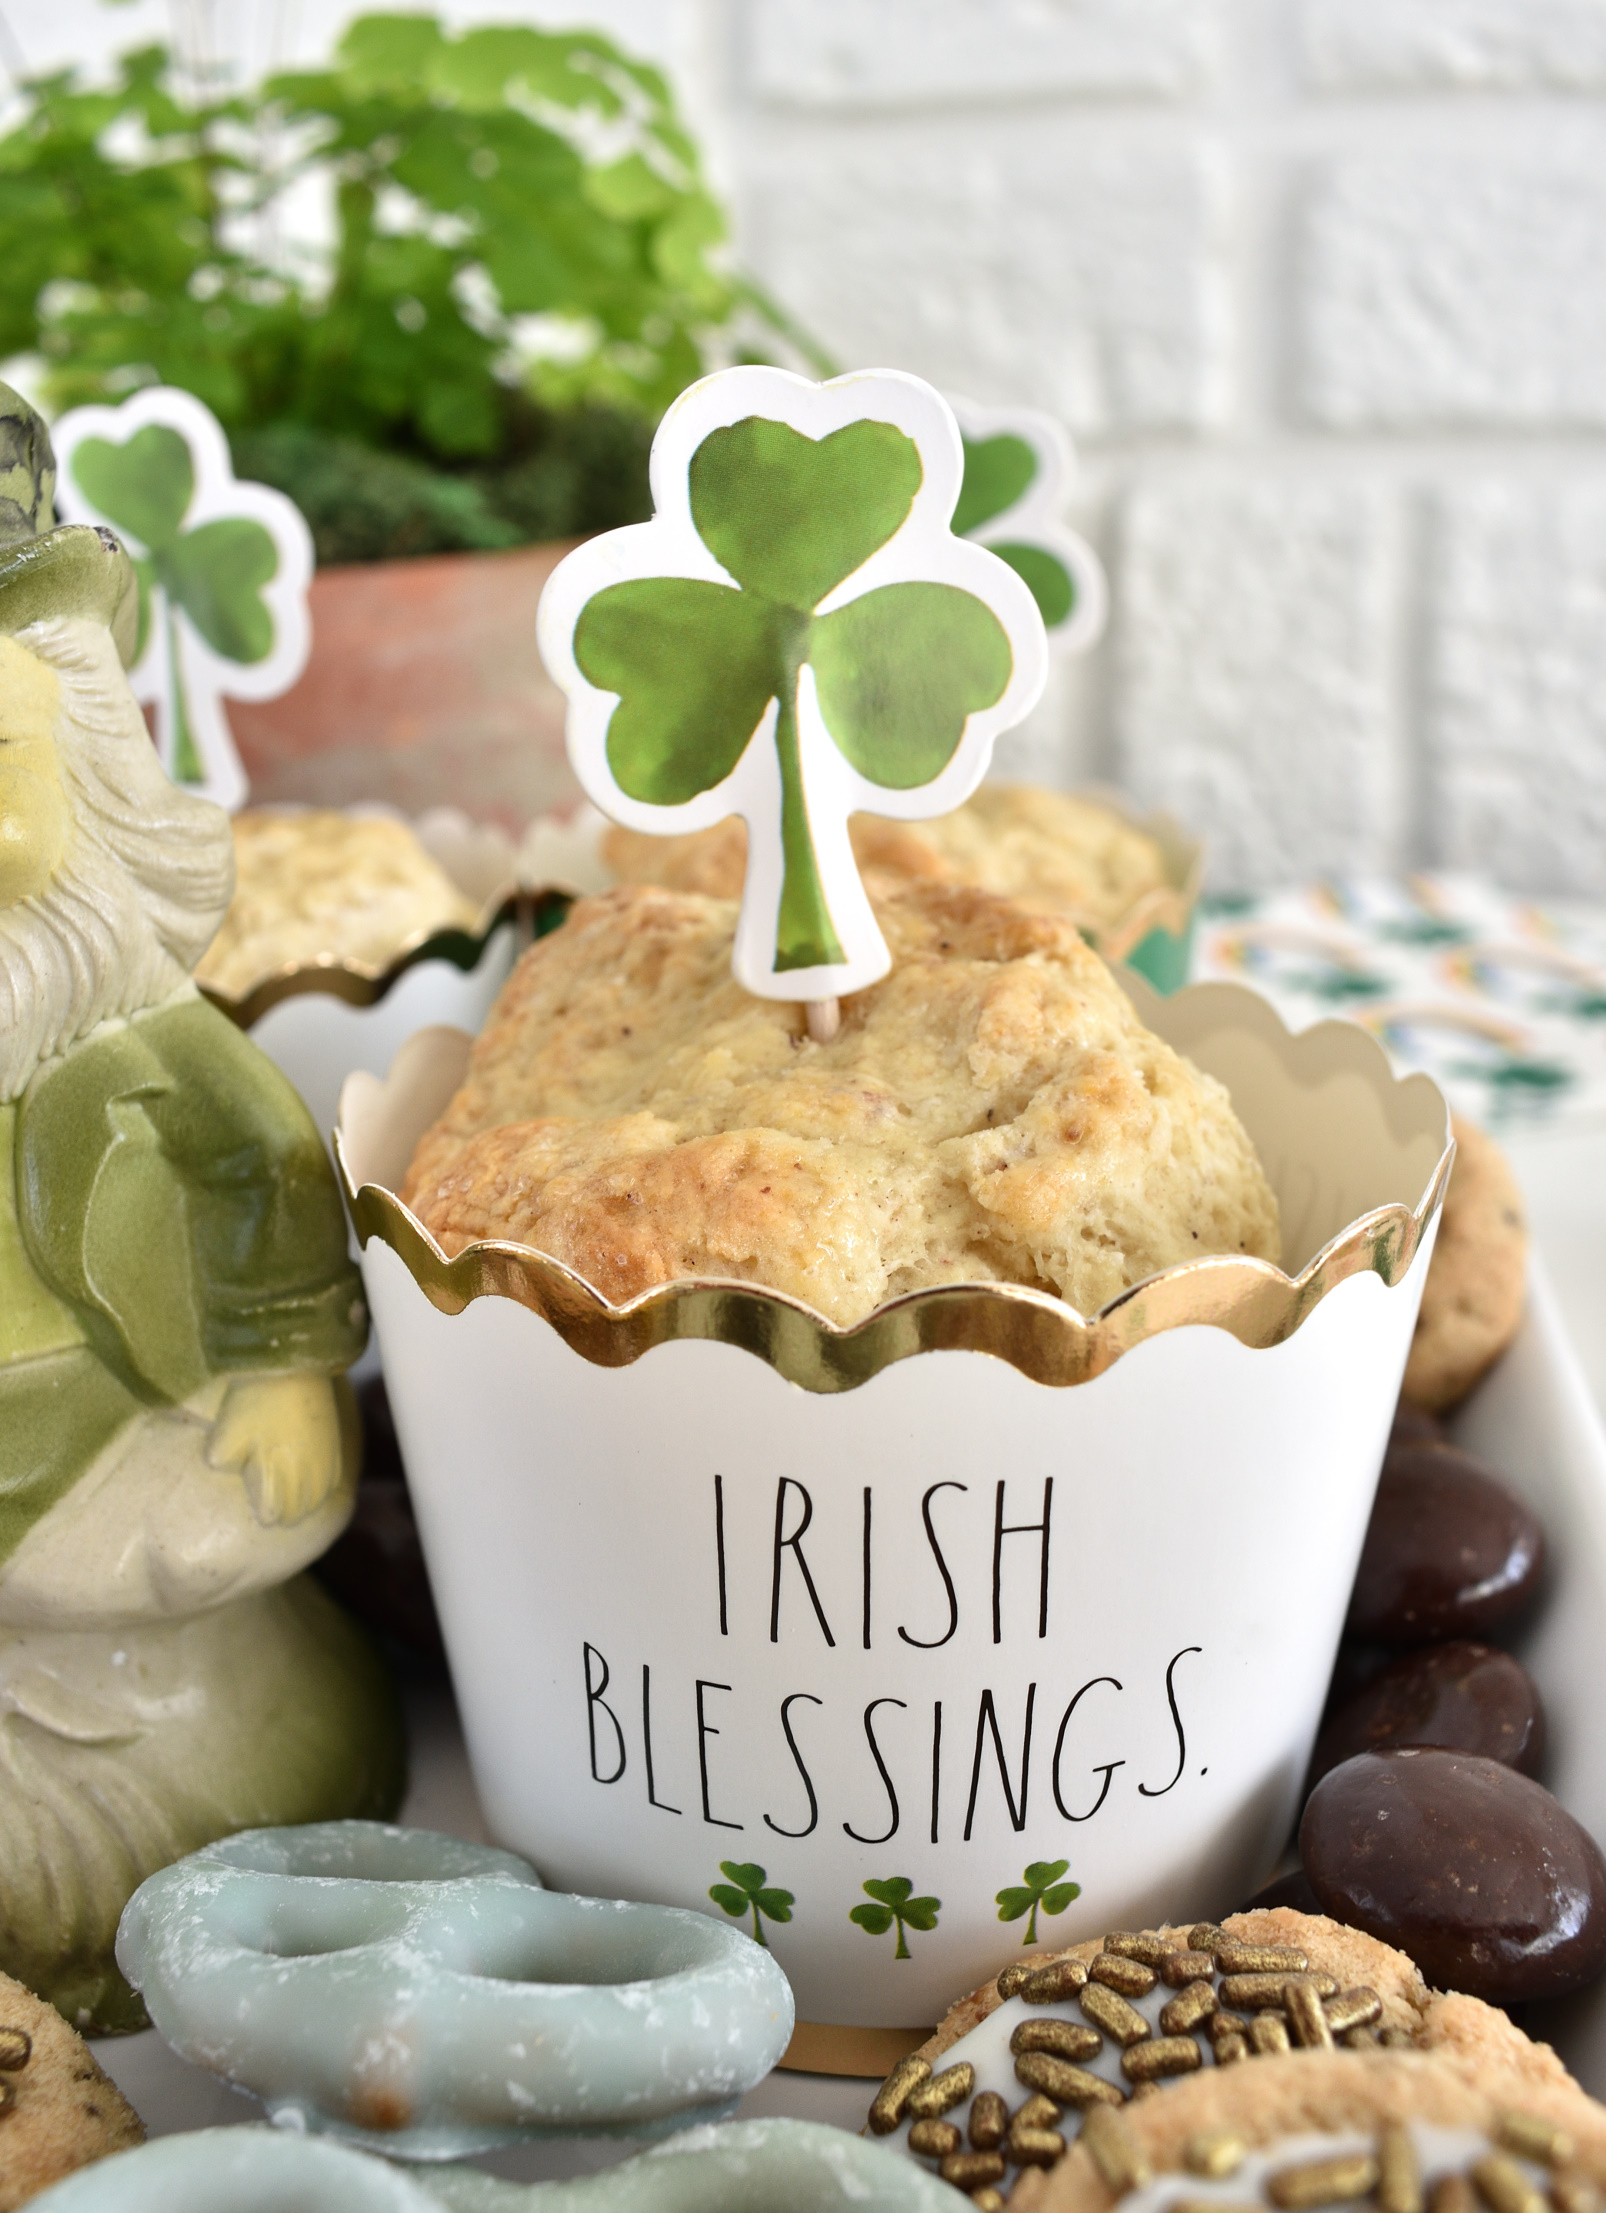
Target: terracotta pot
(424, 689)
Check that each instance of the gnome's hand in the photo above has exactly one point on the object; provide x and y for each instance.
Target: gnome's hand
(282, 1434)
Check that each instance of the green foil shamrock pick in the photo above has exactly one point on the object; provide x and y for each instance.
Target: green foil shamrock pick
(796, 636)
(223, 570)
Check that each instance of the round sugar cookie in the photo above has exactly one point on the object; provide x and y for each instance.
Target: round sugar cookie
(58, 2110)
(1473, 1299)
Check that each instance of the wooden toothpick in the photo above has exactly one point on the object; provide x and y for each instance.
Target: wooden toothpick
(824, 1017)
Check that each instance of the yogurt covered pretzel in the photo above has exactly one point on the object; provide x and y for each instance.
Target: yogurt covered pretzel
(428, 1998)
(747, 2167)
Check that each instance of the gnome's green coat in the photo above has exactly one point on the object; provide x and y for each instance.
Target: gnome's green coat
(167, 1215)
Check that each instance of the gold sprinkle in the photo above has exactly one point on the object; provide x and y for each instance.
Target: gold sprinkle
(1187, 2009)
(1179, 1968)
(1142, 2090)
(1452, 2194)
(1214, 2205)
(1165, 2055)
(1115, 2151)
(1352, 2009)
(1109, 2011)
(1572, 2193)
(1065, 2084)
(1399, 2184)
(1207, 1936)
(1260, 1959)
(928, 2099)
(1215, 2152)
(1068, 2039)
(1224, 2023)
(1268, 2032)
(1037, 2112)
(986, 2197)
(16, 2048)
(1322, 2181)
(1254, 1991)
(1531, 2136)
(1307, 2022)
(1138, 1944)
(1129, 1976)
(1045, 1986)
(989, 2119)
(1397, 2040)
(894, 2094)
(1034, 2147)
(934, 2139)
(1011, 1977)
(1363, 2039)
(8, 2098)
(974, 2171)
(1230, 2049)
(1503, 2186)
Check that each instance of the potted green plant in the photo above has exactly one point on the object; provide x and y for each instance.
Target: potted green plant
(518, 268)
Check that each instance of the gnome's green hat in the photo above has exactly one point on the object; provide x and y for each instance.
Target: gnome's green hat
(73, 569)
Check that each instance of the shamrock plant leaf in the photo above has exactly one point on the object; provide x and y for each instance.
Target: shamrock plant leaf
(796, 634)
(895, 1906)
(746, 1892)
(223, 569)
(1040, 1885)
(1018, 465)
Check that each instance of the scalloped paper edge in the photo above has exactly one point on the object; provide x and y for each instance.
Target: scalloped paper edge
(1041, 1336)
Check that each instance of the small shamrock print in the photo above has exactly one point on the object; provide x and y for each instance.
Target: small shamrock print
(223, 571)
(797, 635)
(745, 1893)
(1018, 468)
(894, 1904)
(1040, 1886)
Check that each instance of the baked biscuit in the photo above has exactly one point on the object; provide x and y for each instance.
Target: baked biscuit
(1473, 1299)
(1049, 850)
(321, 885)
(58, 2110)
(991, 1111)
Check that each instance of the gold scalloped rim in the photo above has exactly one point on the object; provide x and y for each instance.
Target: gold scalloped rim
(1048, 1341)
(365, 983)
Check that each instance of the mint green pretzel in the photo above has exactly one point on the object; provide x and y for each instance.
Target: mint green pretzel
(747, 2167)
(427, 1998)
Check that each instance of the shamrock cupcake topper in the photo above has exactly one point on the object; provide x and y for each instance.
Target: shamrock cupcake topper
(797, 635)
(223, 571)
(1018, 469)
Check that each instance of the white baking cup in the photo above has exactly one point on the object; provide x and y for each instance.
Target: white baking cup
(700, 1613)
(320, 1020)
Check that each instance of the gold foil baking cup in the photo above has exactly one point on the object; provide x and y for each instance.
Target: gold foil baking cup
(1037, 1333)
(365, 983)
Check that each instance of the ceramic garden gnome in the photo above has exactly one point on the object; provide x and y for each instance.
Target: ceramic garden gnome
(177, 1309)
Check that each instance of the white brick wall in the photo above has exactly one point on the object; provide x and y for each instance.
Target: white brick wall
(1321, 287)
(1517, 679)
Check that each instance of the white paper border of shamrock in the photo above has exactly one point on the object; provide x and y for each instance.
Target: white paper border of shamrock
(1035, 518)
(218, 494)
(922, 550)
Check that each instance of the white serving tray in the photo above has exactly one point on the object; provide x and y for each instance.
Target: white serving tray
(1532, 1420)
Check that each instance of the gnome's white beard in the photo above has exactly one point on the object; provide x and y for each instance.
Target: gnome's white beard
(141, 888)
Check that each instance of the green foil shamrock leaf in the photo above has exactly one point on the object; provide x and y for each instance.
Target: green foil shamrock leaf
(894, 1906)
(745, 1893)
(1040, 1885)
(898, 671)
(998, 472)
(214, 574)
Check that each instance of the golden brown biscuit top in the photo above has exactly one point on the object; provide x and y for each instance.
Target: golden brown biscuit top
(992, 1111)
(321, 884)
(1046, 849)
